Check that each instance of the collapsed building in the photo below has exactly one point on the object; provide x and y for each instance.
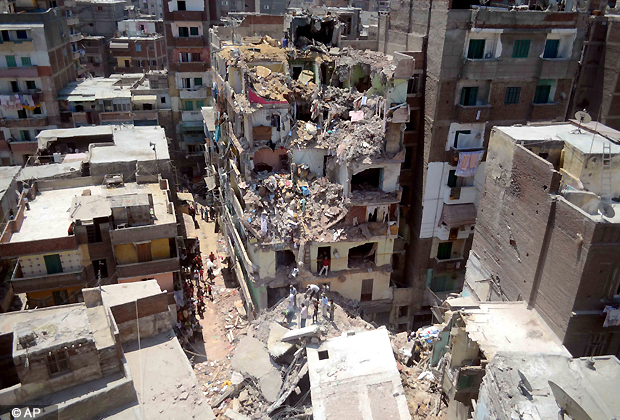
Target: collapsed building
(308, 145)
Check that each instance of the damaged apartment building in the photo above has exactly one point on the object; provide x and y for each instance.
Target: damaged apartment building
(308, 146)
(485, 66)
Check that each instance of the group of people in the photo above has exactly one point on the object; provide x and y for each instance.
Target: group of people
(315, 297)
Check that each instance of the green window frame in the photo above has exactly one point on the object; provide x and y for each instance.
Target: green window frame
(444, 283)
(512, 95)
(10, 61)
(444, 251)
(197, 81)
(193, 31)
(541, 96)
(189, 105)
(469, 96)
(466, 381)
(53, 264)
(552, 47)
(521, 48)
(200, 104)
(26, 62)
(476, 49)
(25, 135)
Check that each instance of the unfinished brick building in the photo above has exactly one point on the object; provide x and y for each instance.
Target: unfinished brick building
(548, 231)
(484, 67)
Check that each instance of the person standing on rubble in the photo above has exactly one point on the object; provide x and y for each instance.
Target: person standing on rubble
(332, 308)
(293, 292)
(315, 314)
(303, 314)
(324, 305)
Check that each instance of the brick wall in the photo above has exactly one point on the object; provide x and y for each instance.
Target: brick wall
(147, 306)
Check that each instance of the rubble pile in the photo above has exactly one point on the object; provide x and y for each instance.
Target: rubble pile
(278, 86)
(372, 62)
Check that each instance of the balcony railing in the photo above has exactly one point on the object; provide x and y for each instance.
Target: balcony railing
(30, 284)
(147, 268)
(30, 71)
(473, 113)
(460, 195)
(24, 122)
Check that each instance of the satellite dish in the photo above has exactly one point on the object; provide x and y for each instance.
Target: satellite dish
(567, 404)
(606, 209)
(583, 117)
(524, 382)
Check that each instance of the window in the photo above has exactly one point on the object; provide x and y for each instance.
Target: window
(31, 85)
(22, 34)
(138, 47)
(26, 62)
(542, 94)
(413, 85)
(37, 111)
(323, 354)
(408, 158)
(452, 179)
(193, 31)
(521, 48)
(366, 290)
(163, 99)
(57, 361)
(127, 64)
(456, 136)
(183, 32)
(266, 7)
(100, 8)
(195, 57)
(442, 284)
(153, 63)
(200, 104)
(53, 264)
(444, 251)
(144, 252)
(551, 48)
(189, 105)
(186, 83)
(14, 86)
(224, 3)
(25, 135)
(10, 61)
(5, 36)
(101, 266)
(469, 96)
(184, 57)
(466, 381)
(21, 113)
(197, 81)
(476, 49)
(181, 5)
(512, 95)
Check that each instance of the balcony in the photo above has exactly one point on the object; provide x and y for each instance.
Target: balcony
(547, 112)
(452, 155)
(148, 268)
(72, 21)
(114, 117)
(141, 115)
(195, 67)
(145, 233)
(460, 195)
(17, 45)
(31, 71)
(187, 15)
(192, 41)
(484, 69)
(32, 284)
(556, 68)
(191, 116)
(456, 262)
(472, 114)
(24, 122)
(200, 93)
(78, 53)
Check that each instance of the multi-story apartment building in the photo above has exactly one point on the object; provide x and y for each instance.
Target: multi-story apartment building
(96, 59)
(138, 47)
(139, 99)
(308, 171)
(548, 230)
(36, 61)
(121, 226)
(483, 67)
(187, 40)
(99, 17)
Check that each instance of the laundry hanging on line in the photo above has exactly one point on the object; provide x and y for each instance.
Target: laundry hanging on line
(468, 163)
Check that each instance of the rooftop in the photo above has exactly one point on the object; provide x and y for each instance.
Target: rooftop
(584, 140)
(50, 213)
(132, 143)
(47, 328)
(591, 382)
(7, 174)
(117, 294)
(355, 377)
(509, 327)
(92, 89)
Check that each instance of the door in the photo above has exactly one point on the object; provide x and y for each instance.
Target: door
(53, 264)
(144, 252)
(366, 290)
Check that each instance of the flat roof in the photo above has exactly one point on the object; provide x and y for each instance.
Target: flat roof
(132, 143)
(50, 212)
(165, 382)
(591, 382)
(96, 88)
(585, 141)
(118, 294)
(64, 133)
(20, 26)
(7, 175)
(355, 377)
(52, 326)
(510, 327)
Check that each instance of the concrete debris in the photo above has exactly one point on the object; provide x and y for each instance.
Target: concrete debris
(310, 331)
(232, 415)
(275, 345)
(251, 358)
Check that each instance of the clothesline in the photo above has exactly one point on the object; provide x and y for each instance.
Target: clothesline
(19, 101)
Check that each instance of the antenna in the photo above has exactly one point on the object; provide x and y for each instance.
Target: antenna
(584, 118)
(567, 404)
(606, 209)
(524, 384)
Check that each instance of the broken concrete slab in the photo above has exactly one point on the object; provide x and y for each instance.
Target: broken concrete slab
(270, 385)
(251, 358)
(310, 331)
(233, 415)
(274, 344)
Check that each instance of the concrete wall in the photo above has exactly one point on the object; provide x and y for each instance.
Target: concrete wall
(153, 317)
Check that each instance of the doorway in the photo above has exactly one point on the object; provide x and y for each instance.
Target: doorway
(366, 290)
(53, 264)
